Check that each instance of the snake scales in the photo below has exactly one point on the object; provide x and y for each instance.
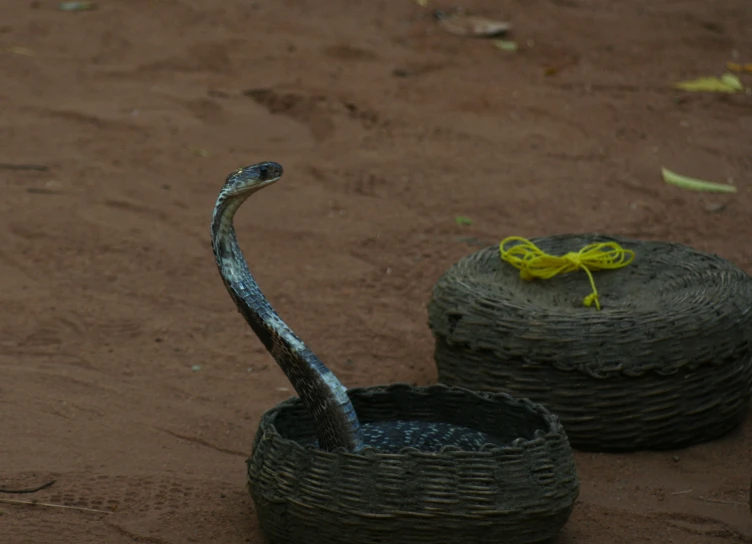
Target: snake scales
(336, 423)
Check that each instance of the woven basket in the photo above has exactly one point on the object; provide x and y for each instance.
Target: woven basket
(520, 493)
(666, 363)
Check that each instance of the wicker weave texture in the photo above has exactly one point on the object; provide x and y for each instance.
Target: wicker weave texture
(666, 363)
(520, 493)
(618, 413)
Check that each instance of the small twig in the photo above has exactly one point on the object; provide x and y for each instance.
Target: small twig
(682, 492)
(37, 167)
(42, 191)
(35, 503)
(29, 490)
(735, 503)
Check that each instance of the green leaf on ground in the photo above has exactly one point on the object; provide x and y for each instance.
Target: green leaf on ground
(693, 184)
(727, 83)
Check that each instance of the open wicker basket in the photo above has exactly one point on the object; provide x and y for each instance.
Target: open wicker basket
(520, 493)
(666, 363)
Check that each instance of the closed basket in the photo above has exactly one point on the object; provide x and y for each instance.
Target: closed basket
(666, 362)
(518, 493)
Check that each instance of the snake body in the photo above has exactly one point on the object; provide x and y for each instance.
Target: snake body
(336, 423)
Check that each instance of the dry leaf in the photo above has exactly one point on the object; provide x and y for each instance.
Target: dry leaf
(18, 50)
(505, 45)
(472, 26)
(736, 67)
(727, 83)
(77, 6)
(715, 207)
(693, 184)
(422, 3)
(197, 151)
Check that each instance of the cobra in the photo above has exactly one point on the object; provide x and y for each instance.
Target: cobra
(336, 422)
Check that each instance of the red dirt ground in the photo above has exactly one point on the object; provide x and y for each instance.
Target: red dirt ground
(388, 128)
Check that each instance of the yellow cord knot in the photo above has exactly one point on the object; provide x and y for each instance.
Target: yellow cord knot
(534, 263)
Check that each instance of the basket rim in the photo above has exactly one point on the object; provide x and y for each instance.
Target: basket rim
(553, 429)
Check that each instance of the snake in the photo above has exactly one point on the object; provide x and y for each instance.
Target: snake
(335, 421)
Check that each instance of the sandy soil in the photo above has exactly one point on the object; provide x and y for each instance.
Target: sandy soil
(388, 128)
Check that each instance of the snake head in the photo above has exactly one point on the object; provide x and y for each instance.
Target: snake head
(249, 179)
(238, 186)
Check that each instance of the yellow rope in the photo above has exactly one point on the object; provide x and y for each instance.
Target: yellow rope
(534, 263)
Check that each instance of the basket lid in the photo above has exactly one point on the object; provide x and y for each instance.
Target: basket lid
(673, 307)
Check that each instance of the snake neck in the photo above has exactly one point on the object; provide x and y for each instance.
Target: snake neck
(326, 399)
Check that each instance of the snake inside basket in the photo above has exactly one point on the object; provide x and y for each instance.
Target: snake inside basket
(336, 423)
(334, 418)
